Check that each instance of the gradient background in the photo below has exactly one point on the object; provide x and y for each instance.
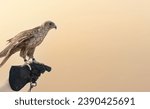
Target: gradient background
(100, 45)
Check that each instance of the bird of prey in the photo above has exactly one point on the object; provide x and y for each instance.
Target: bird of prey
(26, 42)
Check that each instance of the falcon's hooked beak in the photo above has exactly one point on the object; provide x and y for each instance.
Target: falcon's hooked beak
(55, 27)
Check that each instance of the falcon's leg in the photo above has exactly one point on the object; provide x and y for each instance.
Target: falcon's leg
(23, 54)
(30, 54)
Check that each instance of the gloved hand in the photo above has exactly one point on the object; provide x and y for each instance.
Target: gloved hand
(19, 76)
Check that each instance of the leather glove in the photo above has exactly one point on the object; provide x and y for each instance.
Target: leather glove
(19, 76)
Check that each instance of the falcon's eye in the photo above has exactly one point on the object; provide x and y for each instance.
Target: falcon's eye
(50, 23)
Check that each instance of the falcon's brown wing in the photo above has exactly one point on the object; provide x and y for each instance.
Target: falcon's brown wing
(17, 40)
(14, 45)
(27, 34)
(21, 37)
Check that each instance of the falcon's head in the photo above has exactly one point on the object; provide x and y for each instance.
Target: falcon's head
(49, 25)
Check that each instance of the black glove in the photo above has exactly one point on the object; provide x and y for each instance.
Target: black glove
(19, 76)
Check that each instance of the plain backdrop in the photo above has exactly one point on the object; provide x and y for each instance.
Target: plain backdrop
(100, 45)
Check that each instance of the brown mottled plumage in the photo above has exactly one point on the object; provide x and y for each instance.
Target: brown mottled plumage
(26, 42)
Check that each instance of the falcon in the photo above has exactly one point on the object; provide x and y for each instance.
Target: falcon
(26, 42)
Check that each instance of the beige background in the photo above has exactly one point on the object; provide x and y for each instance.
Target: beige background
(100, 45)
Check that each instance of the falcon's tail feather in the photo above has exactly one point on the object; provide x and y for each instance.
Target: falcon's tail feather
(5, 51)
(5, 59)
